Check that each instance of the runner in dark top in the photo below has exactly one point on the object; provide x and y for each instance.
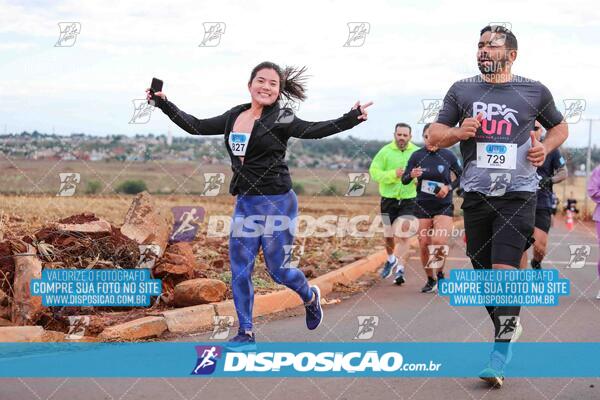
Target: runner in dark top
(571, 204)
(552, 171)
(554, 205)
(432, 167)
(256, 136)
(496, 112)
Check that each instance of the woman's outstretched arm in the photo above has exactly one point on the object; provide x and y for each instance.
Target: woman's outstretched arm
(316, 130)
(189, 123)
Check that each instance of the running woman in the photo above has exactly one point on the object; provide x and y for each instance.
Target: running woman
(593, 190)
(397, 199)
(432, 167)
(554, 170)
(256, 136)
(496, 112)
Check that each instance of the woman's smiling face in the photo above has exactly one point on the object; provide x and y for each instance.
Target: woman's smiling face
(264, 88)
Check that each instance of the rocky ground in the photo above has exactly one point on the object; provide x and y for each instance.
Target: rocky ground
(35, 234)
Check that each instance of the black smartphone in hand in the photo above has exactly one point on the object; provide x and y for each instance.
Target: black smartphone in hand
(156, 86)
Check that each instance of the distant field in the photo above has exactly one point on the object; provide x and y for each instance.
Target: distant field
(29, 177)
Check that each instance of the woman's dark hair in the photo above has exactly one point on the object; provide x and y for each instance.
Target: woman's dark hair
(292, 81)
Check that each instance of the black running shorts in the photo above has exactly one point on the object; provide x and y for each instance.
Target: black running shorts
(498, 229)
(543, 219)
(391, 209)
(431, 209)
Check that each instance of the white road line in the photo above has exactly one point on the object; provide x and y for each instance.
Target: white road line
(545, 261)
(576, 244)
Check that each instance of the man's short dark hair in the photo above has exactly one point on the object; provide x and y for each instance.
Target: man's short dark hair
(403, 125)
(511, 39)
(427, 125)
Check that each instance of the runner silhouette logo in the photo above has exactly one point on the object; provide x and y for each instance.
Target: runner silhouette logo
(187, 219)
(366, 326)
(149, 253)
(292, 254)
(499, 183)
(508, 325)
(574, 109)
(212, 183)
(222, 324)
(68, 34)
(68, 183)
(357, 33)
(142, 111)
(207, 359)
(579, 255)
(431, 109)
(212, 34)
(357, 183)
(437, 255)
(285, 116)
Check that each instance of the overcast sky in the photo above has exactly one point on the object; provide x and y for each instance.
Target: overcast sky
(413, 51)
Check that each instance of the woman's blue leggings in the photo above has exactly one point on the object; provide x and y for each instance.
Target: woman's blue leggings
(267, 221)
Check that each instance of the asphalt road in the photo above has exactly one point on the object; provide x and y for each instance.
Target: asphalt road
(404, 314)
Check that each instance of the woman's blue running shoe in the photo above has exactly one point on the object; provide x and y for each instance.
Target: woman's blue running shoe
(243, 341)
(314, 312)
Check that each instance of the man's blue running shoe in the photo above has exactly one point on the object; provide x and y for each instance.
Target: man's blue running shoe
(399, 276)
(387, 268)
(493, 377)
(494, 372)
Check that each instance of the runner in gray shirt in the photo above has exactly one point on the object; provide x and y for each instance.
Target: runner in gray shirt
(496, 112)
(508, 111)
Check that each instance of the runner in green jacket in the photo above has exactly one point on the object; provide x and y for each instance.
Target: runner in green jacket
(397, 199)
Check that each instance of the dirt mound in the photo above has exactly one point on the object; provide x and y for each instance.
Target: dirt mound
(7, 268)
(69, 249)
(79, 218)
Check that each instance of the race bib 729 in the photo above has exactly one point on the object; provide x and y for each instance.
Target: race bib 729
(497, 155)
